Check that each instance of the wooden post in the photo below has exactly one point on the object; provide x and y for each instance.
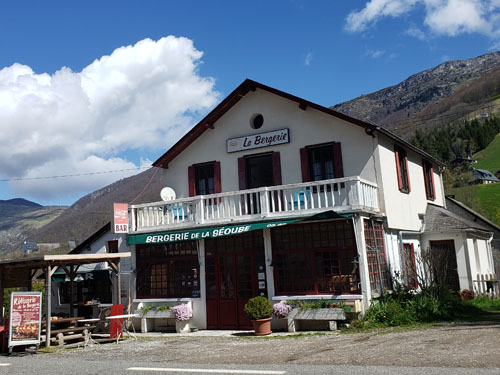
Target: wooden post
(48, 307)
(118, 282)
(115, 266)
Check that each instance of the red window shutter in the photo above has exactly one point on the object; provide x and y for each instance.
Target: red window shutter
(242, 173)
(433, 193)
(398, 170)
(276, 168)
(304, 165)
(191, 181)
(337, 160)
(217, 178)
(407, 173)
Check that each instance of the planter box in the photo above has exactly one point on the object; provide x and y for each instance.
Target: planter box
(152, 314)
(332, 315)
(155, 314)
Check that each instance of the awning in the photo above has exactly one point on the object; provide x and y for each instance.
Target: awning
(221, 231)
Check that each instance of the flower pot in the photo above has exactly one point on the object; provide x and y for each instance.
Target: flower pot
(262, 327)
(182, 326)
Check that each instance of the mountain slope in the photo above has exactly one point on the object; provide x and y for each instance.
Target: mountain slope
(94, 210)
(427, 99)
(20, 218)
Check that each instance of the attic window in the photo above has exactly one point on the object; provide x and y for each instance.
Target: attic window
(256, 121)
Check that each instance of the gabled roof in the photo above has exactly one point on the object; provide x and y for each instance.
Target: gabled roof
(93, 237)
(484, 174)
(439, 219)
(249, 85)
(477, 217)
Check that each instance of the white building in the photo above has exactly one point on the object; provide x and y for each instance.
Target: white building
(282, 197)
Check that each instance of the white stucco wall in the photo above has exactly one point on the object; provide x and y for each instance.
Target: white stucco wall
(402, 209)
(307, 127)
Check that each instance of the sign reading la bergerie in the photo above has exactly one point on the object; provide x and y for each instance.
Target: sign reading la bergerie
(249, 142)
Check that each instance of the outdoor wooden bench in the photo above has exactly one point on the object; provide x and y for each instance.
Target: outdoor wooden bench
(65, 330)
(332, 315)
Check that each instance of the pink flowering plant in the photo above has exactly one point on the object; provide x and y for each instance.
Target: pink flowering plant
(182, 312)
(281, 309)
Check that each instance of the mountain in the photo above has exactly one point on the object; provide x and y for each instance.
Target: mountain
(94, 210)
(454, 90)
(20, 218)
(448, 92)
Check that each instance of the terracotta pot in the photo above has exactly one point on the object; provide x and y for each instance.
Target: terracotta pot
(262, 327)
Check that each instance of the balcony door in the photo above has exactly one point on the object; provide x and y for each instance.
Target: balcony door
(257, 171)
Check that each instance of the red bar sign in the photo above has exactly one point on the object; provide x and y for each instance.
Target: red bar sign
(120, 217)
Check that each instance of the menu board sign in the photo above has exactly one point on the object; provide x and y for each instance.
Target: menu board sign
(25, 318)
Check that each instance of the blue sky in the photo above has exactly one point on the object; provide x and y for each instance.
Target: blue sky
(99, 86)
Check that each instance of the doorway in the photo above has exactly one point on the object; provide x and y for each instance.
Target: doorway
(259, 171)
(235, 272)
(445, 261)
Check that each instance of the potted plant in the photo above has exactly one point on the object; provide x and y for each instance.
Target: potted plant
(259, 310)
(467, 294)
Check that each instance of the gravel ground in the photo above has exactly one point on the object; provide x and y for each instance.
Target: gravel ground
(449, 345)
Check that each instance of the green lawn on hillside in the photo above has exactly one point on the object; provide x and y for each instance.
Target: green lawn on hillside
(489, 158)
(487, 196)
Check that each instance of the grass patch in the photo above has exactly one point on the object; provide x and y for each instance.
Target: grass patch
(487, 196)
(489, 158)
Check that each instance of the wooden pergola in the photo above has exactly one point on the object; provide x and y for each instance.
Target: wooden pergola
(20, 272)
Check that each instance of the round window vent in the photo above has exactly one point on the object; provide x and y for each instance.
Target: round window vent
(257, 121)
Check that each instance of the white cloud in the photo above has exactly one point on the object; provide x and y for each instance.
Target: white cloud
(374, 54)
(374, 10)
(140, 97)
(441, 17)
(308, 59)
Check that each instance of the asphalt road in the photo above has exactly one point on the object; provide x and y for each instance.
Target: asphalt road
(467, 348)
(46, 364)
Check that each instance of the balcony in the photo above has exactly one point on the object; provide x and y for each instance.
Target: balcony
(342, 195)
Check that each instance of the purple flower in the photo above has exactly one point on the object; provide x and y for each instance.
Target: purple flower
(281, 309)
(182, 312)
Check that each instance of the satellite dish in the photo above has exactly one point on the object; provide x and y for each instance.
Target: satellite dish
(167, 194)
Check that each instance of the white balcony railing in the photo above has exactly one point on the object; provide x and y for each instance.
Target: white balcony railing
(343, 195)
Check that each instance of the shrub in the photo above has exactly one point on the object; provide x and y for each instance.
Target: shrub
(407, 307)
(182, 312)
(258, 308)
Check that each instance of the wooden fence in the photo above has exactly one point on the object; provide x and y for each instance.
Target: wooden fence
(487, 285)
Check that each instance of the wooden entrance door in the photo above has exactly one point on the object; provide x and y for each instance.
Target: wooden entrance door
(233, 268)
(447, 260)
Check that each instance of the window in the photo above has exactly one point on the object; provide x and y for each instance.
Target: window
(410, 266)
(321, 162)
(402, 169)
(375, 252)
(204, 179)
(168, 270)
(429, 180)
(315, 258)
(112, 246)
